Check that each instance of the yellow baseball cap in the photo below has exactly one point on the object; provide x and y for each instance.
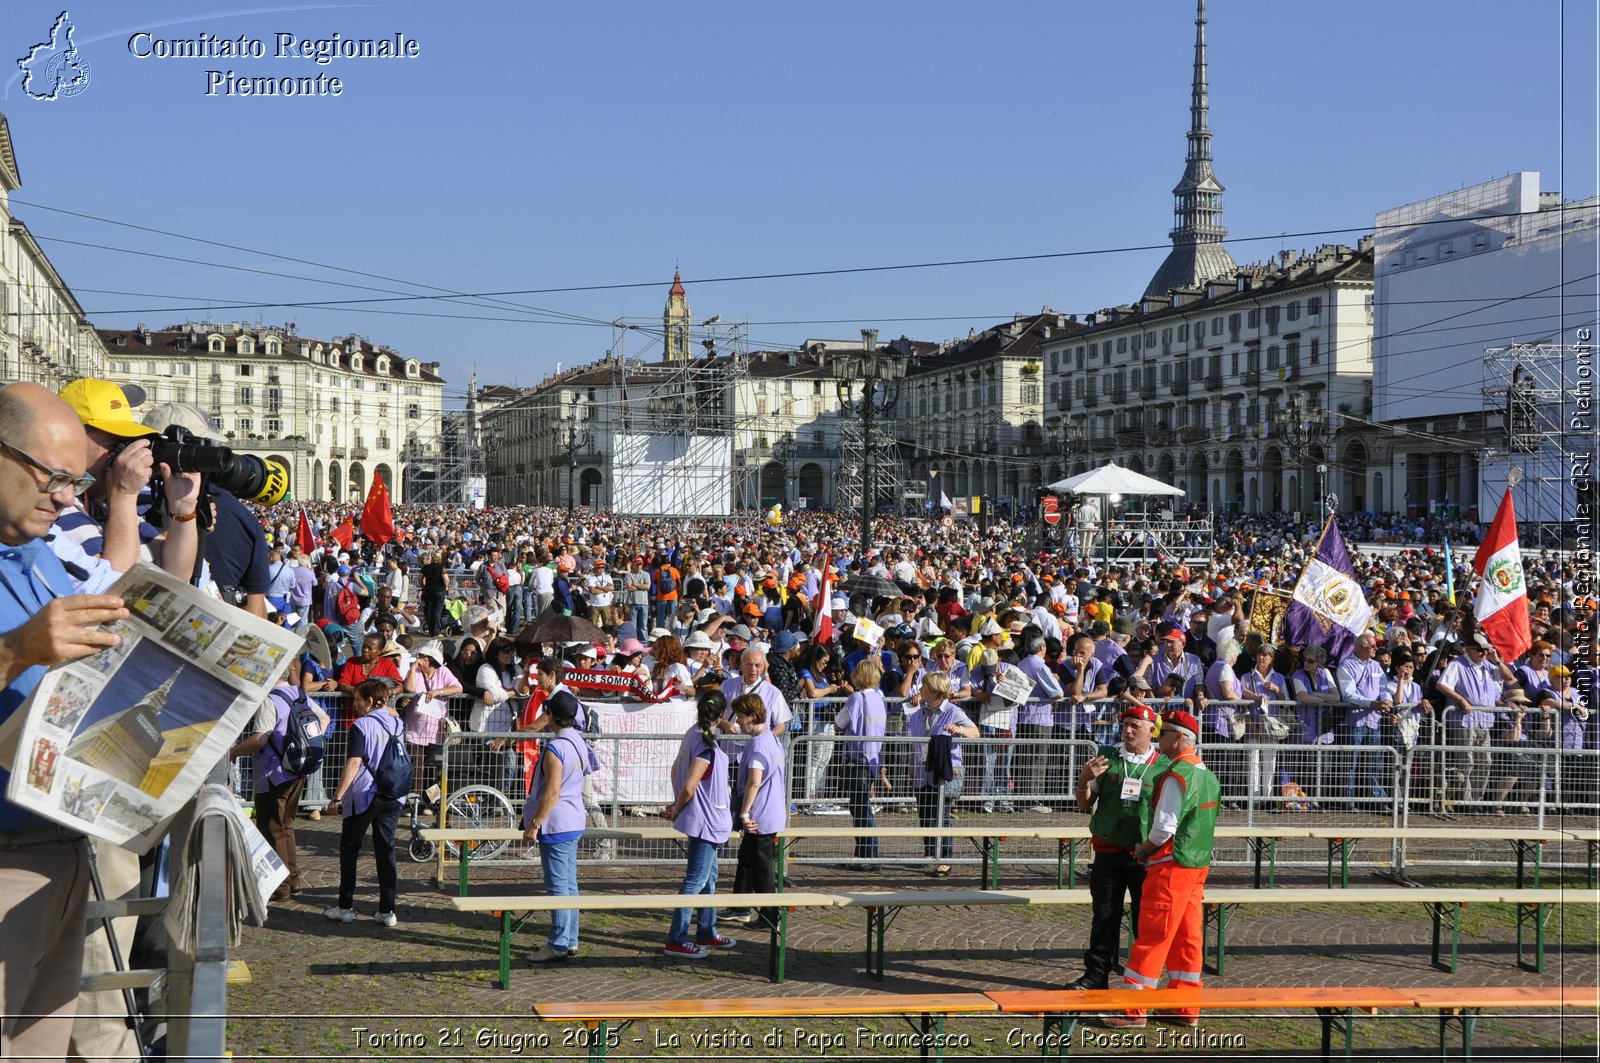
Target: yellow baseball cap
(107, 406)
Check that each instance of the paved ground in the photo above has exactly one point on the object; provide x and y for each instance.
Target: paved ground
(427, 988)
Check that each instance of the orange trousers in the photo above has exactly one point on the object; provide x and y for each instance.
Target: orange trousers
(1172, 930)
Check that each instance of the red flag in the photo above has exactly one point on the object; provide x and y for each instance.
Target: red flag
(1502, 602)
(344, 534)
(303, 539)
(822, 616)
(377, 519)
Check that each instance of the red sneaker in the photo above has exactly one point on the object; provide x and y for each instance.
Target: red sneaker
(721, 941)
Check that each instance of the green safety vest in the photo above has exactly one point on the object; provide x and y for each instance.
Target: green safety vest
(1197, 817)
(1113, 820)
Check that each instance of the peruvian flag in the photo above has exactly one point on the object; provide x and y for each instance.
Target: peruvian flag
(303, 539)
(1502, 603)
(821, 615)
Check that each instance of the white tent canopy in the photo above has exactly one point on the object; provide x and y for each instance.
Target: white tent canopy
(1113, 479)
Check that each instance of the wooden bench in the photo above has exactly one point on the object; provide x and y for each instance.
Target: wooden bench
(1061, 1010)
(1533, 911)
(883, 907)
(988, 840)
(1334, 1006)
(1465, 1004)
(1263, 842)
(604, 1020)
(1591, 839)
(506, 906)
(1527, 841)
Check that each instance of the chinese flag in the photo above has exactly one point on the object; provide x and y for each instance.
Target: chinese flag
(377, 519)
(344, 534)
(302, 536)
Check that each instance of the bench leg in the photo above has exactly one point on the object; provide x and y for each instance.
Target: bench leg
(1217, 915)
(877, 924)
(1345, 1020)
(1468, 1018)
(461, 867)
(505, 948)
(778, 948)
(1057, 1040)
(1526, 849)
(1437, 910)
(780, 862)
(991, 863)
(1535, 916)
(932, 1037)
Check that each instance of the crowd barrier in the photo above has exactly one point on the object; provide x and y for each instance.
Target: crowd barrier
(1318, 774)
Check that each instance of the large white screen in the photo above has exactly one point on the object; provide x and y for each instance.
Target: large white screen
(672, 475)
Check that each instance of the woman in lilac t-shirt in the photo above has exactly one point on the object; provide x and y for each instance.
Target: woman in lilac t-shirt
(701, 812)
(763, 803)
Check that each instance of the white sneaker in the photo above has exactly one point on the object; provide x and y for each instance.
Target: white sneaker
(341, 915)
(384, 918)
(1041, 810)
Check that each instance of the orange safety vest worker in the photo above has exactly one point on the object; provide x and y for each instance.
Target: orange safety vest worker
(1171, 918)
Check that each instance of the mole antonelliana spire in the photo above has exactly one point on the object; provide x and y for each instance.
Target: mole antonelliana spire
(1197, 253)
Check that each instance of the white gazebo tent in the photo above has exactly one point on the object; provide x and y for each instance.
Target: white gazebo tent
(1108, 481)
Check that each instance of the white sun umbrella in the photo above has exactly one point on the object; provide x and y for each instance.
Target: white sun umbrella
(1109, 480)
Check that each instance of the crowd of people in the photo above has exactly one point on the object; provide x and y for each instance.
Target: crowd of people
(937, 665)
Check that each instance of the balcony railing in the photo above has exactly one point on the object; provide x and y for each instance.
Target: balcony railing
(1250, 377)
(1091, 398)
(1119, 394)
(1214, 380)
(1191, 433)
(1147, 392)
(1180, 386)
(337, 452)
(357, 453)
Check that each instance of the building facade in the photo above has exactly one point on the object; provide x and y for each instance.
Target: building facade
(1235, 392)
(44, 336)
(335, 412)
(1463, 279)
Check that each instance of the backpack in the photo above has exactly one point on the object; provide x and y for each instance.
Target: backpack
(502, 582)
(347, 606)
(303, 736)
(666, 583)
(392, 774)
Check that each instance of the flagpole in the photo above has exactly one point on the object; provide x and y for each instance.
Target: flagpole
(1313, 555)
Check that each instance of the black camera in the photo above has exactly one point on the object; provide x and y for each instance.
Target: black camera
(242, 475)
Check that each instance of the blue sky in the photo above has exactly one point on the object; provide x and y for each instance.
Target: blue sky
(540, 146)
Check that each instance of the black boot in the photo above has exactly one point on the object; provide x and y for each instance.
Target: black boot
(1087, 981)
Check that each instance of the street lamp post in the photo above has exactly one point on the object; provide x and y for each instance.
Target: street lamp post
(878, 373)
(575, 439)
(933, 494)
(1304, 427)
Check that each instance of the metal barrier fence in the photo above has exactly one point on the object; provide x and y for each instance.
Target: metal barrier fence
(1320, 773)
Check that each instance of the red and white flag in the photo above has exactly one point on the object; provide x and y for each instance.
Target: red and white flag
(821, 615)
(1502, 602)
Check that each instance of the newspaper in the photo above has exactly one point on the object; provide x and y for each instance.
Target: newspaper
(1014, 686)
(116, 743)
(254, 869)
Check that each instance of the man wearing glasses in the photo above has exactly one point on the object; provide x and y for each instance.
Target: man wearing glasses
(44, 870)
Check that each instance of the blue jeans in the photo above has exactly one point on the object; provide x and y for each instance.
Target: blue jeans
(640, 615)
(664, 612)
(996, 765)
(1363, 766)
(560, 862)
(699, 878)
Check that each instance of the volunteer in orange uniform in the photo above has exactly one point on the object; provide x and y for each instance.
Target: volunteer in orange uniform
(1178, 857)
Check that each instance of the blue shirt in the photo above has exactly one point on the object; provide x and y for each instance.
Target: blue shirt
(236, 549)
(30, 576)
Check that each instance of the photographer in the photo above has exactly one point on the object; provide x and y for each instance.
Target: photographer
(101, 537)
(236, 547)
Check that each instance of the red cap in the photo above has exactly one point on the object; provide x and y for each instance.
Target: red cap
(1181, 720)
(1140, 712)
(1176, 636)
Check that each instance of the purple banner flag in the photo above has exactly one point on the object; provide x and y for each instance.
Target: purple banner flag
(1328, 607)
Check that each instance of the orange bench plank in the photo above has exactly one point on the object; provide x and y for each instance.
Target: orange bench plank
(1046, 1001)
(732, 1007)
(1507, 996)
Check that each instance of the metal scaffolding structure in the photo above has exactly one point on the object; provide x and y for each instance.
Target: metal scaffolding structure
(706, 400)
(447, 469)
(1542, 395)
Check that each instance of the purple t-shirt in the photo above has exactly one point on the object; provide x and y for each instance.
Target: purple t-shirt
(917, 726)
(866, 716)
(369, 736)
(708, 816)
(567, 819)
(770, 809)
